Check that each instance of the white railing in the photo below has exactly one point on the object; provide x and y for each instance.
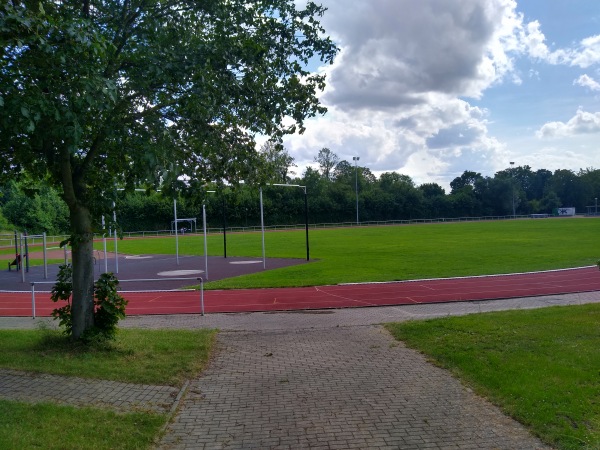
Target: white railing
(143, 280)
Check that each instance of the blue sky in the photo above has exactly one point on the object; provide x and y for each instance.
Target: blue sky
(431, 88)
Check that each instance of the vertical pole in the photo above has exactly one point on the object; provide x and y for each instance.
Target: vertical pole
(115, 231)
(306, 222)
(201, 296)
(176, 236)
(205, 246)
(104, 247)
(262, 227)
(512, 187)
(224, 230)
(45, 256)
(356, 187)
(65, 251)
(21, 253)
(356, 159)
(26, 252)
(33, 300)
(17, 251)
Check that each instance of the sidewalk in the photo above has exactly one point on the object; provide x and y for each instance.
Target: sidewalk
(309, 379)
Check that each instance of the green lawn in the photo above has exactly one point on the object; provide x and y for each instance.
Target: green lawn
(49, 426)
(137, 356)
(390, 253)
(540, 366)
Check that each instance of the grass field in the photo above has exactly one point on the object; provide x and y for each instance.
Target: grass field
(137, 356)
(540, 366)
(50, 426)
(162, 357)
(391, 253)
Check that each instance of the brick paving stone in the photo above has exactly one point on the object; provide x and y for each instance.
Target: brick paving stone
(333, 388)
(33, 388)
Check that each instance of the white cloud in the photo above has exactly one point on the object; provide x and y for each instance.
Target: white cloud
(588, 82)
(396, 93)
(582, 123)
(395, 51)
(585, 54)
(588, 52)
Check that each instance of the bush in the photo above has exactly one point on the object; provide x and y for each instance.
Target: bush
(109, 306)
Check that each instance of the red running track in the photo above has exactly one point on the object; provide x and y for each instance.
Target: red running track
(339, 296)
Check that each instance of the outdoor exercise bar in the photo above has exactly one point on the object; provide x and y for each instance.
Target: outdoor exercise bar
(305, 212)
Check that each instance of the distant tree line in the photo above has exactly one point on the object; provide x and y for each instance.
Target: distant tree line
(331, 189)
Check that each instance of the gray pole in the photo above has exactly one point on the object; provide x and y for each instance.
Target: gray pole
(512, 184)
(104, 246)
(355, 159)
(176, 236)
(596, 206)
(45, 257)
(262, 227)
(205, 246)
(115, 231)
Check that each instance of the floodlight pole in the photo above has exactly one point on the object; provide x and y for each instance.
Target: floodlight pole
(355, 159)
(305, 213)
(512, 185)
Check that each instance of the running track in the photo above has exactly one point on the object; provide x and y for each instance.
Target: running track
(339, 296)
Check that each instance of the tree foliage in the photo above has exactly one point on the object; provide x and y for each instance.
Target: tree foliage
(98, 94)
(327, 161)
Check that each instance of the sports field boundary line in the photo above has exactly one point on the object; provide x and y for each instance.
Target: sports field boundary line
(421, 280)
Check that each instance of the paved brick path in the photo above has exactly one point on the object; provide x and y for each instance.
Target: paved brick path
(32, 388)
(345, 387)
(320, 379)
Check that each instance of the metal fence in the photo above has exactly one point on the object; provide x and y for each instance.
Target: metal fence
(256, 228)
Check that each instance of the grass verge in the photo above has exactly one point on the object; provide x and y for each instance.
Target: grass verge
(137, 356)
(52, 426)
(165, 357)
(540, 366)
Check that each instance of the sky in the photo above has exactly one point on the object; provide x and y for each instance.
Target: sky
(431, 88)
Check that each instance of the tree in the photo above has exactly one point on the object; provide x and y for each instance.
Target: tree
(569, 188)
(36, 208)
(432, 190)
(327, 161)
(113, 93)
(468, 178)
(277, 161)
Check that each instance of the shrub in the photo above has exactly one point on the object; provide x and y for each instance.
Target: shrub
(109, 306)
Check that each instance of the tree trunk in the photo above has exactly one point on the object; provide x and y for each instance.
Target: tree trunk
(83, 271)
